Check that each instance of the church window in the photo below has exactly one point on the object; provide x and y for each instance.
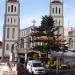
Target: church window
(59, 10)
(53, 10)
(13, 33)
(59, 22)
(56, 22)
(11, 19)
(7, 46)
(56, 10)
(8, 32)
(15, 9)
(70, 43)
(11, 8)
(8, 8)
(22, 43)
(14, 20)
(8, 19)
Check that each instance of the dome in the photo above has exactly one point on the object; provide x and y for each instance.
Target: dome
(56, 1)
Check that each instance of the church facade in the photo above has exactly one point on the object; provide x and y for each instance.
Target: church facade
(11, 28)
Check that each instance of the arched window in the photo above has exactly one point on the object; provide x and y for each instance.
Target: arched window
(71, 43)
(11, 8)
(59, 22)
(14, 20)
(53, 10)
(56, 22)
(13, 33)
(22, 43)
(59, 10)
(8, 8)
(11, 19)
(15, 8)
(56, 10)
(8, 30)
(8, 19)
(7, 46)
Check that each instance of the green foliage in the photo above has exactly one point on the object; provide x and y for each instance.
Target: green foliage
(47, 30)
(44, 59)
(52, 58)
(36, 57)
(52, 66)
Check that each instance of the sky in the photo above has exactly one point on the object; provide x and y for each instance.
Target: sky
(35, 9)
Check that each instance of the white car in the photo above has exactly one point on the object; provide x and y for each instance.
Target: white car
(35, 67)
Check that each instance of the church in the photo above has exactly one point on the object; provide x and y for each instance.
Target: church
(13, 36)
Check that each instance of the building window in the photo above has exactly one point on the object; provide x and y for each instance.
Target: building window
(22, 43)
(8, 8)
(7, 46)
(70, 43)
(12, 47)
(53, 10)
(59, 10)
(59, 22)
(13, 33)
(8, 19)
(11, 19)
(11, 8)
(14, 20)
(55, 22)
(56, 10)
(8, 32)
(15, 9)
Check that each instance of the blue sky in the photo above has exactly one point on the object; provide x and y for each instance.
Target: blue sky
(34, 9)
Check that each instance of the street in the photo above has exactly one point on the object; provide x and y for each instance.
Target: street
(47, 73)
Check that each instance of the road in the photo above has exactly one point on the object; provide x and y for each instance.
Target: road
(22, 71)
(48, 73)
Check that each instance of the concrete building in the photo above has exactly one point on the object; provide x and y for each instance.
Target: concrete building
(56, 11)
(11, 27)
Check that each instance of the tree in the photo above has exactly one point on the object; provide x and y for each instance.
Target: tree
(45, 33)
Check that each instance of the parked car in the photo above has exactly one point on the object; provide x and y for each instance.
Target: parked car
(35, 67)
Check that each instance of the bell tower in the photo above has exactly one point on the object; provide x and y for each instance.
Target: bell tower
(56, 11)
(11, 27)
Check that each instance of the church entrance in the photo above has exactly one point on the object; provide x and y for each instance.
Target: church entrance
(22, 60)
(21, 57)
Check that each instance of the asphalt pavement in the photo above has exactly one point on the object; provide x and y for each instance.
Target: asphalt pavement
(47, 73)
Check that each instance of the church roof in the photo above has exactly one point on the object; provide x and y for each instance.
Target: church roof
(56, 1)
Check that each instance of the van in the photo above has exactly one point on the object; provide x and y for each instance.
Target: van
(35, 67)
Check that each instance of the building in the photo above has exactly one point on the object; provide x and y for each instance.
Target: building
(69, 36)
(56, 11)
(11, 27)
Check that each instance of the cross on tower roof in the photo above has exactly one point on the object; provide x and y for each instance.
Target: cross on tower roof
(33, 22)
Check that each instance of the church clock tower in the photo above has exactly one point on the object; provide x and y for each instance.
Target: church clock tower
(56, 11)
(11, 26)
